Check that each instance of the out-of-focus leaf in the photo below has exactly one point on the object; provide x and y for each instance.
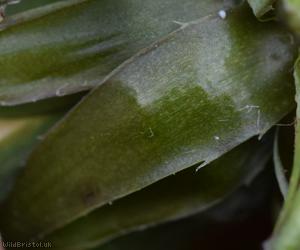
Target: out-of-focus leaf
(17, 138)
(72, 45)
(292, 10)
(286, 235)
(279, 169)
(172, 198)
(261, 7)
(21, 128)
(187, 99)
(287, 231)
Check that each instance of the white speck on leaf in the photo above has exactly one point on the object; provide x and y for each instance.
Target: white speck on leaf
(217, 138)
(222, 14)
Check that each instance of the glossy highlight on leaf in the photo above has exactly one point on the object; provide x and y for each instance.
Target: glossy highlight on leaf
(182, 101)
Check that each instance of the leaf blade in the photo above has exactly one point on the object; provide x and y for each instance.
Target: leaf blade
(151, 114)
(75, 44)
(188, 192)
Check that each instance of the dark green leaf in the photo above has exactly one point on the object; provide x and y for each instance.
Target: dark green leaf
(172, 198)
(24, 5)
(227, 225)
(21, 128)
(187, 99)
(72, 45)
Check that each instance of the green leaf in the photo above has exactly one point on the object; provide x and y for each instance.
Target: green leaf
(73, 45)
(292, 10)
(17, 138)
(261, 7)
(287, 231)
(21, 128)
(24, 5)
(188, 192)
(189, 98)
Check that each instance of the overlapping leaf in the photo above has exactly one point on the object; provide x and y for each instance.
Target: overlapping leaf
(17, 138)
(172, 198)
(72, 45)
(187, 99)
(21, 128)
